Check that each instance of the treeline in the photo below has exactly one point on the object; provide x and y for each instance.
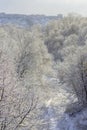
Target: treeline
(26, 55)
(66, 40)
(24, 59)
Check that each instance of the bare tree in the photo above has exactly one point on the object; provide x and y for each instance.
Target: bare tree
(73, 71)
(18, 104)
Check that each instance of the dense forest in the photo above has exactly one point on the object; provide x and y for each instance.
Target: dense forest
(43, 75)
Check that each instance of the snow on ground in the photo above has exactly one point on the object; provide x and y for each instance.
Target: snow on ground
(56, 105)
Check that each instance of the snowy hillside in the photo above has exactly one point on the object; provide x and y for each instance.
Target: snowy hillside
(26, 20)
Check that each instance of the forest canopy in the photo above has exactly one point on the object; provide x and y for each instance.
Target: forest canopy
(30, 58)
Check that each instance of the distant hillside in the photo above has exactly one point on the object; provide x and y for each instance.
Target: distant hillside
(26, 20)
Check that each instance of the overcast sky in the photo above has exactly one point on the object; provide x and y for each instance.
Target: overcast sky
(48, 7)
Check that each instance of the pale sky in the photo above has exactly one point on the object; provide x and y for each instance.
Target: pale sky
(47, 7)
